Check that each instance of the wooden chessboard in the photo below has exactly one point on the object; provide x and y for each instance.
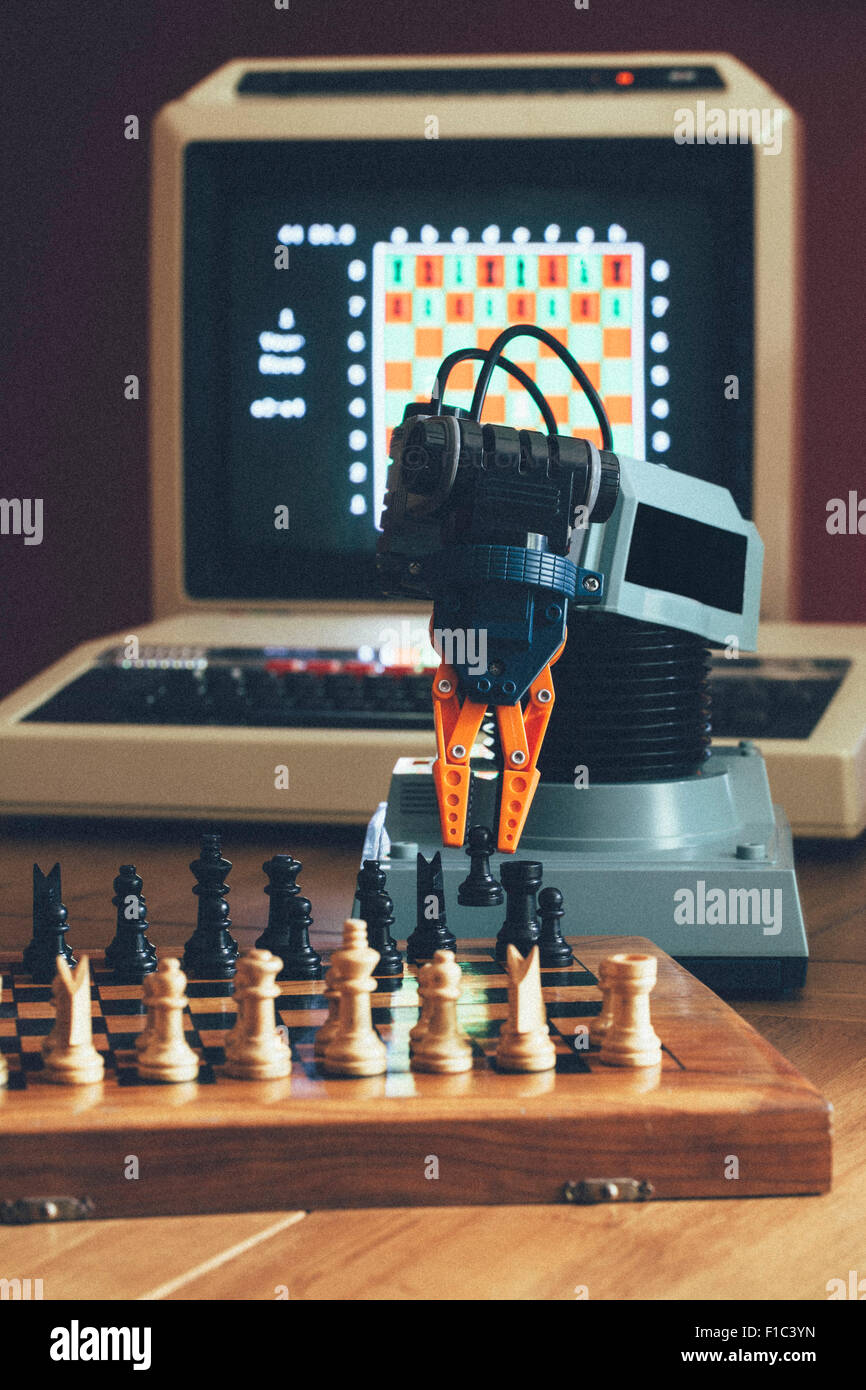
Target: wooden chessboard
(722, 1094)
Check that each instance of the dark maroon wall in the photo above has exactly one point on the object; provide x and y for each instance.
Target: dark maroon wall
(74, 242)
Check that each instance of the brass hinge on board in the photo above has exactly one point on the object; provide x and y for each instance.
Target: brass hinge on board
(29, 1211)
(591, 1191)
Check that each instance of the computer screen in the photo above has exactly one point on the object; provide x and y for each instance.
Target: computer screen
(324, 281)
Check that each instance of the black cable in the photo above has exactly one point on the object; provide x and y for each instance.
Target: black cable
(532, 331)
(479, 354)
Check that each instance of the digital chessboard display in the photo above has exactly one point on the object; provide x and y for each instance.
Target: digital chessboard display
(429, 301)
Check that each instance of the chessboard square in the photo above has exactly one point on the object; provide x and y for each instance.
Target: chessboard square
(582, 415)
(592, 434)
(8, 1028)
(455, 338)
(35, 1027)
(552, 270)
(617, 377)
(428, 308)
(521, 307)
(428, 271)
(31, 994)
(490, 270)
(123, 1008)
(490, 308)
(395, 404)
(210, 1038)
(203, 1021)
(482, 967)
(398, 308)
(569, 1061)
(123, 1041)
(463, 399)
(398, 376)
(486, 337)
(575, 1008)
(523, 413)
(616, 308)
(585, 273)
(397, 271)
(462, 377)
(399, 341)
(494, 410)
(459, 272)
(616, 271)
(618, 409)
(207, 989)
(299, 1002)
(552, 308)
(616, 342)
(304, 1021)
(8, 1010)
(428, 343)
(113, 992)
(553, 978)
(521, 273)
(31, 1042)
(552, 376)
(585, 308)
(623, 440)
(585, 342)
(423, 377)
(561, 335)
(459, 307)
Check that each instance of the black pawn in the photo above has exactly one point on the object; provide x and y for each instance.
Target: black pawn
(480, 888)
(521, 879)
(49, 928)
(552, 947)
(130, 956)
(211, 951)
(431, 932)
(377, 910)
(288, 931)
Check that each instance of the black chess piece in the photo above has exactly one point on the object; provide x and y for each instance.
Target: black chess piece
(431, 932)
(211, 951)
(288, 931)
(480, 888)
(49, 928)
(130, 956)
(377, 910)
(552, 947)
(521, 879)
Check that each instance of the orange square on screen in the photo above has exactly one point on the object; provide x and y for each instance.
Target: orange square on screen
(561, 336)
(462, 377)
(521, 307)
(585, 308)
(428, 342)
(494, 410)
(398, 308)
(559, 406)
(616, 272)
(428, 271)
(616, 342)
(398, 376)
(490, 271)
(618, 409)
(486, 337)
(552, 270)
(459, 307)
(594, 435)
(593, 371)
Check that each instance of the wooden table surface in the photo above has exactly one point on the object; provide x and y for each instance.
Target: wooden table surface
(763, 1248)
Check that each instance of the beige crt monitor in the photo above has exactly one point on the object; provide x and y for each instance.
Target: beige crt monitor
(338, 162)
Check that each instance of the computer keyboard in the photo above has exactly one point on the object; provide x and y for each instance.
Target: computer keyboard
(753, 697)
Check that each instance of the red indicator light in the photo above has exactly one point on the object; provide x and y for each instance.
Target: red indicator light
(624, 79)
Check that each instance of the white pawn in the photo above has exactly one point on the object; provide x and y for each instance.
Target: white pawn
(332, 998)
(525, 1043)
(441, 1046)
(165, 1054)
(255, 1049)
(355, 1048)
(630, 1040)
(68, 1052)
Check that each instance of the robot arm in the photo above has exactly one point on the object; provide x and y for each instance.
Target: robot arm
(496, 526)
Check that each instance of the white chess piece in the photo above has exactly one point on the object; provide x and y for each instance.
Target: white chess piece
(441, 1046)
(255, 1049)
(630, 1040)
(68, 1052)
(525, 1043)
(166, 1055)
(355, 1048)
